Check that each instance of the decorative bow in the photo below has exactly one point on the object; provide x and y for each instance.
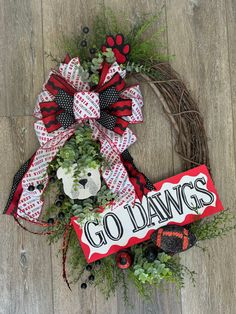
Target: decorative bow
(105, 103)
(108, 108)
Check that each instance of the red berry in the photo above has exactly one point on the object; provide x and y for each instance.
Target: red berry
(123, 259)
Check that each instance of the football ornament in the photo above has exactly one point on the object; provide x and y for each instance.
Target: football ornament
(173, 239)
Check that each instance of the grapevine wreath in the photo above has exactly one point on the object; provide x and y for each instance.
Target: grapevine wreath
(82, 123)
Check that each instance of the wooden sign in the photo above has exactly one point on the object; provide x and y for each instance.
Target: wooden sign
(178, 200)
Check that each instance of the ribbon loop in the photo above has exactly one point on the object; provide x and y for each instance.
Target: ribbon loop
(56, 83)
(108, 97)
(65, 101)
(121, 108)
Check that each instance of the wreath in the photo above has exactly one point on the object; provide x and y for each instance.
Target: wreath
(83, 115)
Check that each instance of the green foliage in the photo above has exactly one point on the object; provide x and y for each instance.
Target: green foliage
(109, 55)
(165, 268)
(107, 23)
(58, 229)
(72, 45)
(179, 272)
(76, 260)
(217, 226)
(84, 210)
(108, 276)
(137, 68)
(155, 272)
(89, 72)
(88, 209)
(146, 44)
(80, 150)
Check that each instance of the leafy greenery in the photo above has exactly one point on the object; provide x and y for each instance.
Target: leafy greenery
(165, 268)
(146, 44)
(108, 276)
(179, 272)
(80, 150)
(217, 226)
(89, 71)
(84, 210)
(137, 68)
(90, 208)
(76, 261)
(153, 272)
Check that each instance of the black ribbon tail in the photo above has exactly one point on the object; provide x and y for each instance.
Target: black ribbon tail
(15, 193)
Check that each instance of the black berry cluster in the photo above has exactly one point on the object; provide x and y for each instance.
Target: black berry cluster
(84, 42)
(52, 176)
(60, 215)
(90, 268)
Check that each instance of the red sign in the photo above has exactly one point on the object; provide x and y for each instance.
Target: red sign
(178, 200)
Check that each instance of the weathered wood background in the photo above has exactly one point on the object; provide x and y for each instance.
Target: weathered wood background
(201, 34)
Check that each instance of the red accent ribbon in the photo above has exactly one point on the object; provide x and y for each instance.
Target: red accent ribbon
(50, 110)
(121, 108)
(137, 178)
(55, 83)
(65, 245)
(34, 232)
(159, 235)
(185, 240)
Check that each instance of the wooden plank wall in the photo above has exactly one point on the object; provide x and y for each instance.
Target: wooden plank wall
(201, 34)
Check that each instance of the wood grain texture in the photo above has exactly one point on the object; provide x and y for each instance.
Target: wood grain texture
(202, 36)
(21, 51)
(25, 271)
(65, 19)
(204, 64)
(231, 29)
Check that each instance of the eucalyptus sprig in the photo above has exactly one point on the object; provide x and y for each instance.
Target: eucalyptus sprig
(89, 209)
(89, 70)
(153, 272)
(165, 268)
(80, 150)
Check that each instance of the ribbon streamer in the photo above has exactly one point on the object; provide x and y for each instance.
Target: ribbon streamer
(65, 102)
